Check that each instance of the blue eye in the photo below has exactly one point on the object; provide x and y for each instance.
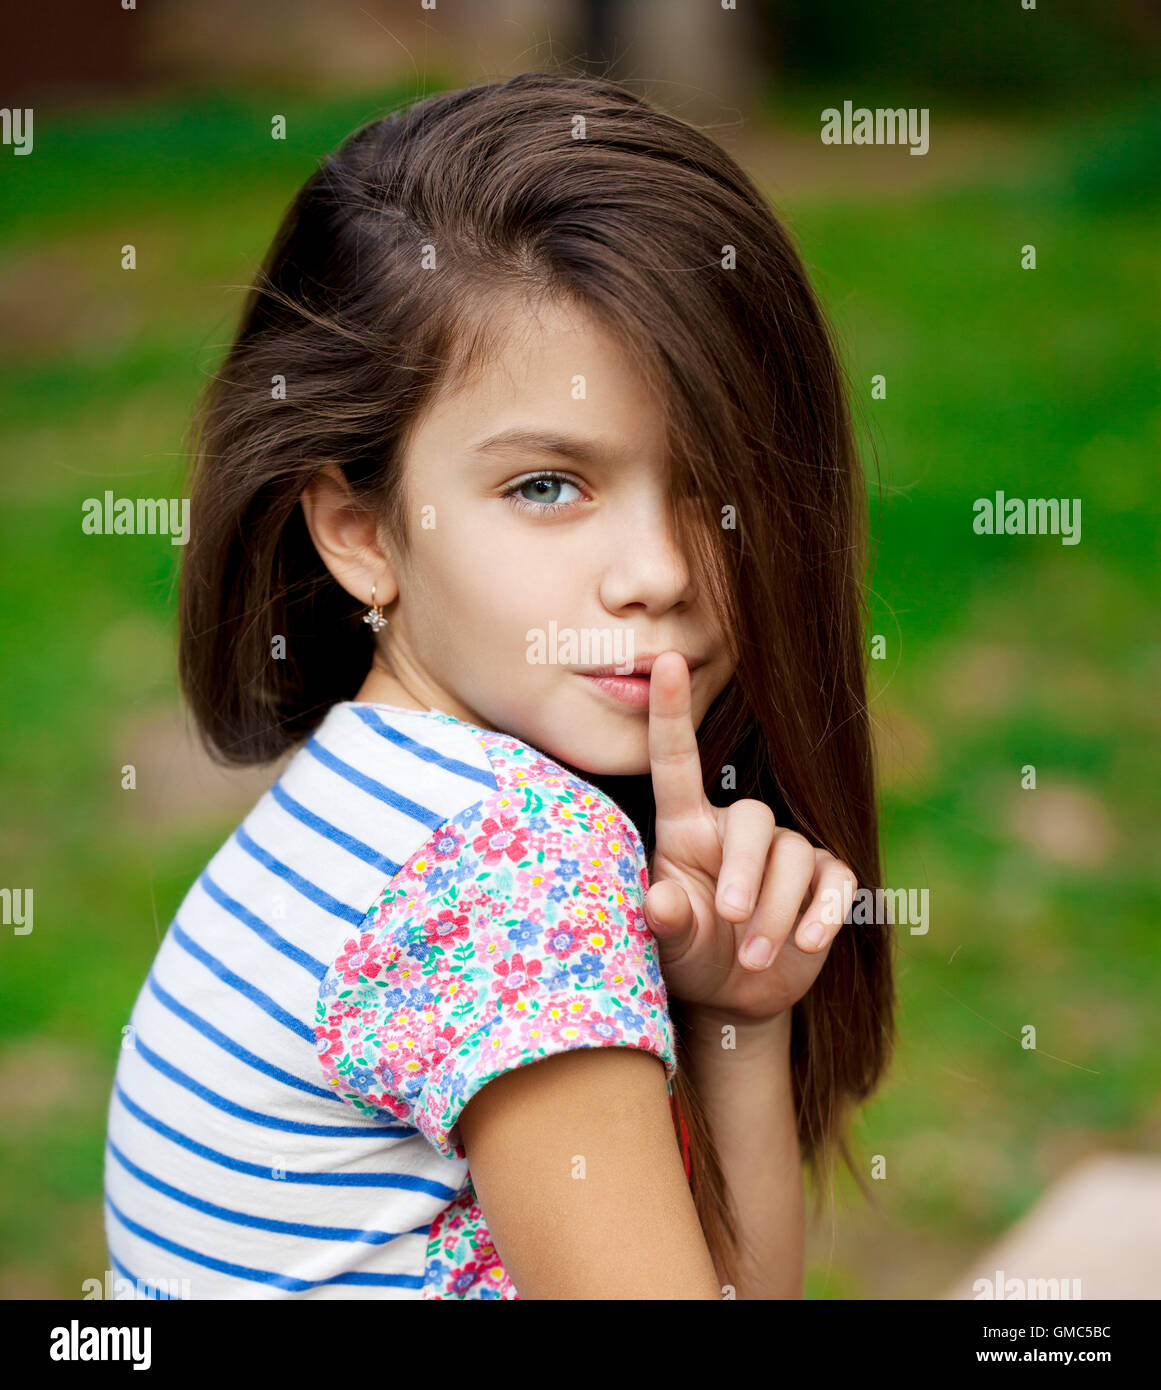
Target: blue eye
(546, 489)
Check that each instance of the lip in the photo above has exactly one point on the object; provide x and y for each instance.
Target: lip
(630, 691)
(641, 667)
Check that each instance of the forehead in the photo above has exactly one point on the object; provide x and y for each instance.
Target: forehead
(551, 381)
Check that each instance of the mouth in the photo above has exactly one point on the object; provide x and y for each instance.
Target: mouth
(632, 688)
(641, 667)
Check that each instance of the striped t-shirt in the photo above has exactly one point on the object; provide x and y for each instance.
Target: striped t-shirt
(416, 906)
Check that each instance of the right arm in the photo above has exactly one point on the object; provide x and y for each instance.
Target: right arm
(575, 1163)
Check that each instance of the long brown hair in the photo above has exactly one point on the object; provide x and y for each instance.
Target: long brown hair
(553, 186)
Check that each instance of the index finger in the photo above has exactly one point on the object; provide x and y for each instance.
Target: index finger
(674, 761)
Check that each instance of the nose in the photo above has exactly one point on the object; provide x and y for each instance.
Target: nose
(645, 564)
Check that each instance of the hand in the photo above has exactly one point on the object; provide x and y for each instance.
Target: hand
(705, 854)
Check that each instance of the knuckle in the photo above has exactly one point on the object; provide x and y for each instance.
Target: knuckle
(753, 809)
(796, 845)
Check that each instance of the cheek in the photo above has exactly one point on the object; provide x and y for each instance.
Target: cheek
(482, 589)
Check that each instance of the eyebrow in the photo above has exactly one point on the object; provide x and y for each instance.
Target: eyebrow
(543, 442)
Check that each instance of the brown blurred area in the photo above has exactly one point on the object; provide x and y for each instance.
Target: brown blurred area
(69, 52)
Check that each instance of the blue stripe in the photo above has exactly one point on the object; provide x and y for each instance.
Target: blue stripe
(145, 1287)
(308, 890)
(256, 1117)
(332, 832)
(262, 1276)
(254, 1170)
(259, 1223)
(373, 788)
(256, 996)
(215, 1035)
(314, 967)
(375, 723)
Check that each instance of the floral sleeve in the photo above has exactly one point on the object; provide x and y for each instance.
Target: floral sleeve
(515, 933)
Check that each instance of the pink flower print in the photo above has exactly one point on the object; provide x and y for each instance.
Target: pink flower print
(386, 1102)
(536, 916)
(329, 1042)
(562, 940)
(500, 838)
(358, 958)
(603, 1028)
(635, 923)
(596, 937)
(615, 978)
(570, 1026)
(443, 1044)
(447, 928)
(403, 1021)
(460, 1280)
(487, 914)
(452, 990)
(533, 880)
(490, 944)
(614, 846)
(655, 998)
(590, 880)
(516, 978)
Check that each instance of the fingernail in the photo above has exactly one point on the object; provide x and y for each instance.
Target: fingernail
(757, 952)
(813, 935)
(735, 896)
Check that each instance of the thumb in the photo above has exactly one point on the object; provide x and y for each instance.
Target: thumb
(669, 916)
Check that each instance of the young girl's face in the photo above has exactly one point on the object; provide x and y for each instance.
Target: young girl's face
(536, 506)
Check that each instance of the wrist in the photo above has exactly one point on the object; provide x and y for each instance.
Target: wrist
(705, 1031)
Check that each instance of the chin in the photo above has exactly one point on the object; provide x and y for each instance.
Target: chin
(588, 748)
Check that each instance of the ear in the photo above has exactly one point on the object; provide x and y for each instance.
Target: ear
(346, 537)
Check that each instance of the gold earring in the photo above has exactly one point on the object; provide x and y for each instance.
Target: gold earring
(373, 615)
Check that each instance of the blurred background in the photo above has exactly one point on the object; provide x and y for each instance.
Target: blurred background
(152, 126)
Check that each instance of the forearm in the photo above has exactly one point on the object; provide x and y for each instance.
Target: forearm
(748, 1098)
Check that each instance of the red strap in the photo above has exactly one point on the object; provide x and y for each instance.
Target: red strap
(679, 1124)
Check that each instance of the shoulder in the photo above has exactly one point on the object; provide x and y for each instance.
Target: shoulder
(413, 752)
(541, 856)
(554, 811)
(516, 931)
(509, 794)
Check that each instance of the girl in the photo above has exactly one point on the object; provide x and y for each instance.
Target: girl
(527, 516)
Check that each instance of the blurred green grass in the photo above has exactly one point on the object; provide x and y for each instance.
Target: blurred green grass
(1001, 651)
